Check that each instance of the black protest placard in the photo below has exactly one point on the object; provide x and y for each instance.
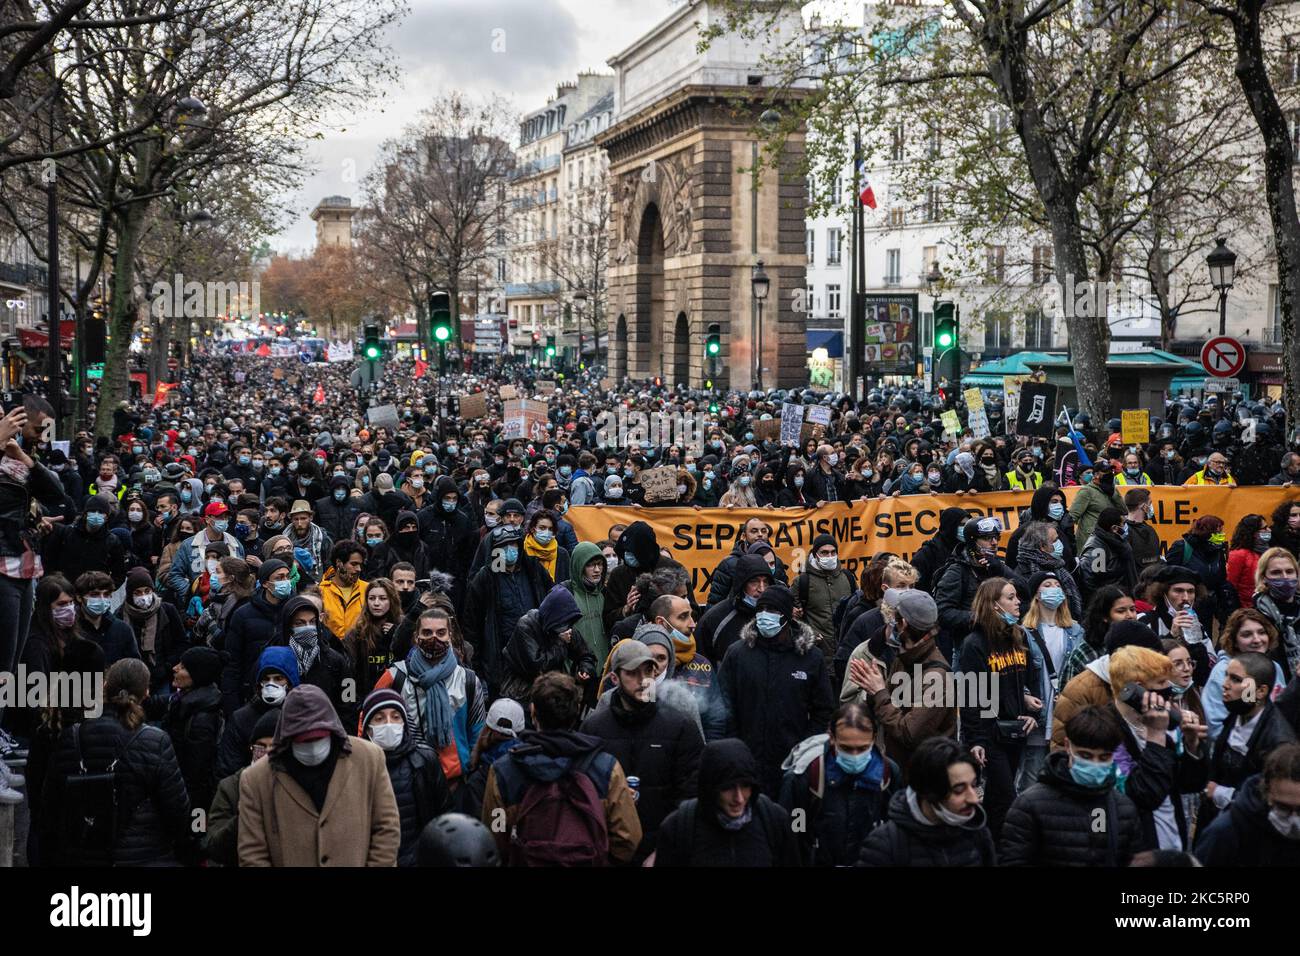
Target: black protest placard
(1036, 416)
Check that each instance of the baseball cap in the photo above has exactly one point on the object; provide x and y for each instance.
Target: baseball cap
(917, 608)
(629, 655)
(214, 509)
(506, 716)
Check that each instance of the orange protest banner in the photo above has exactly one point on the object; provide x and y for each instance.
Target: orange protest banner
(699, 540)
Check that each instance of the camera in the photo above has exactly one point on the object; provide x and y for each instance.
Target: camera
(1134, 694)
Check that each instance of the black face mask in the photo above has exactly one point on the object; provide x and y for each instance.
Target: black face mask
(408, 599)
(1238, 707)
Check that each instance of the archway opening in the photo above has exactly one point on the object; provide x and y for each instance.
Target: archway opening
(647, 357)
(618, 354)
(682, 351)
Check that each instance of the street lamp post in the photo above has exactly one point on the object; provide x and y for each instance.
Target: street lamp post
(1222, 262)
(760, 284)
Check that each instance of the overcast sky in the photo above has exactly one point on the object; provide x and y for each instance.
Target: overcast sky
(445, 45)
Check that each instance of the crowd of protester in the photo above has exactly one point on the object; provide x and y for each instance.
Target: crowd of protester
(342, 643)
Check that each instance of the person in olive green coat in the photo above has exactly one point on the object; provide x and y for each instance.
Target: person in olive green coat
(1097, 494)
(221, 838)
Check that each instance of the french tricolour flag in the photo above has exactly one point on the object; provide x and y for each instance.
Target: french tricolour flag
(867, 196)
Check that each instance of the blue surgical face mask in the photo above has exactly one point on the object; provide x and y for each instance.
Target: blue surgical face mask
(94, 520)
(744, 481)
(748, 599)
(512, 553)
(186, 495)
(221, 524)
(1009, 617)
(853, 764)
(449, 506)
(374, 542)
(282, 589)
(566, 471)
(276, 470)
(961, 532)
(767, 622)
(1058, 548)
(749, 436)
(98, 606)
(1093, 774)
(690, 467)
(544, 537)
(679, 638)
(340, 494)
(798, 481)
(630, 560)
(244, 459)
(1056, 511)
(1052, 597)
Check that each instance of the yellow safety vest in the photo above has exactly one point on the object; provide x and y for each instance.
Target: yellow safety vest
(1014, 483)
(1201, 478)
(1122, 479)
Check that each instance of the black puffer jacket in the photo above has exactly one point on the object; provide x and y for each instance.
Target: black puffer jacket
(905, 841)
(194, 723)
(692, 835)
(449, 537)
(153, 805)
(338, 518)
(534, 648)
(251, 629)
(1037, 511)
(934, 554)
(1242, 835)
(419, 786)
(777, 692)
(841, 809)
(659, 745)
(638, 540)
(232, 750)
(954, 593)
(721, 624)
(1052, 823)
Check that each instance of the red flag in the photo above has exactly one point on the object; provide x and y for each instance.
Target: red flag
(264, 351)
(319, 397)
(867, 195)
(420, 368)
(160, 393)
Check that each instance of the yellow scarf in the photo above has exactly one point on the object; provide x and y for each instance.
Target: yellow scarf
(545, 554)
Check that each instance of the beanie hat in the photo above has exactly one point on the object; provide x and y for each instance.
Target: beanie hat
(138, 578)
(269, 568)
(822, 541)
(512, 506)
(777, 598)
(377, 700)
(204, 665)
(265, 726)
(1126, 633)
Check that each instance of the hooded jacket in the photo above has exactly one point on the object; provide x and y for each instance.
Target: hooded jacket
(1052, 823)
(905, 840)
(1106, 559)
(591, 602)
(534, 648)
(720, 625)
(692, 835)
(1037, 511)
(545, 756)
(331, 668)
(934, 554)
(194, 722)
(1242, 835)
(484, 627)
(639, 541)
(722, 583)
(279, 823)
(954, 593)
(448, 537)
(232, 752)
(777, 693)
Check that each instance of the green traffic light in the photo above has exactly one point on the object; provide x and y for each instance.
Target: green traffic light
(442, 333)
(714, 348)
(550, 350)
(944, 339)
(372, 352)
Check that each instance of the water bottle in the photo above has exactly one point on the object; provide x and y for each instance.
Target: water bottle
(634, 784)
(1192, 633)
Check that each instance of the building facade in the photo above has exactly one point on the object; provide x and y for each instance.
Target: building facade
(333, 218)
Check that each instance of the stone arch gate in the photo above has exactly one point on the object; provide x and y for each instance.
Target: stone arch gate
(687, 226)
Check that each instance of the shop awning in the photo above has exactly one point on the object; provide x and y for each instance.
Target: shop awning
(39, 338)
(832, 340)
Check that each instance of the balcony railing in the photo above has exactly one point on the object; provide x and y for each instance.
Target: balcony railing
(544, 287)
(23, 273)
(539, 165)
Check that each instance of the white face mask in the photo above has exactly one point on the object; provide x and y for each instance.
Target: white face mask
(387, 736)
(273, 693)
(950, 818)
(1287, 824)
(829, 563)
(212, 567)
(313, 752)
(144, 601)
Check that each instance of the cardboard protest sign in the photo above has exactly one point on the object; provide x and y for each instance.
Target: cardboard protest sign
(473, 406)
(659, 484)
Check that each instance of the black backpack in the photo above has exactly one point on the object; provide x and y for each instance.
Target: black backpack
(92, 812)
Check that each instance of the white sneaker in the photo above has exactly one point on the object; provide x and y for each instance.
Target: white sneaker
(9, 778)
(10, 796)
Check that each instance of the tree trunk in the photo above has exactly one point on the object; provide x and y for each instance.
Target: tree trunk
(159, 351)
(1252, 74)
(115, 385)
